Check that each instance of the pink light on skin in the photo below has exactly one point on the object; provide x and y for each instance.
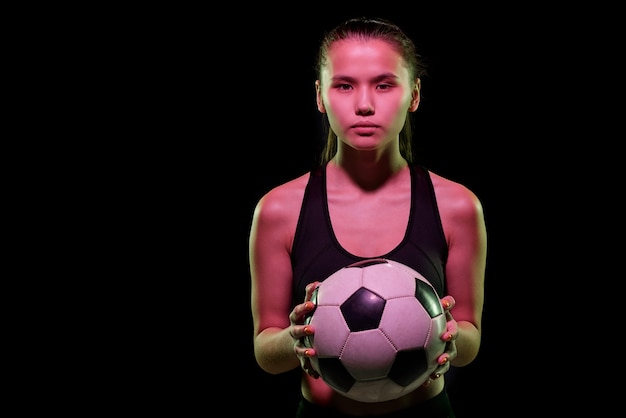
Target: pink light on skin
(363, 89)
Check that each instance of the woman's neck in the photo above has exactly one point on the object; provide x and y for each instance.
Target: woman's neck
(367, 174)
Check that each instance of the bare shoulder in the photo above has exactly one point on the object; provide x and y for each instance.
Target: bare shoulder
(455, 199)
(282, 203)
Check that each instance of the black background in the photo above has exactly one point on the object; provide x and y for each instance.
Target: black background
(224, 109)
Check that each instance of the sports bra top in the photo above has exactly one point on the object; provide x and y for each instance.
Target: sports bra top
(316, 252)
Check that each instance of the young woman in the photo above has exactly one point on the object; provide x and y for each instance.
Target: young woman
(366, 199)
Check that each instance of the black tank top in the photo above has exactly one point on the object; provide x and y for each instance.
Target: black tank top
(316, 253)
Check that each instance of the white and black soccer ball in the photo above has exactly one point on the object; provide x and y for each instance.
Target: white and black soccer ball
(378, 326)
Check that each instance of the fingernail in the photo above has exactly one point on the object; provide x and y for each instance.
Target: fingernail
(308, 305)
(307, 353)
(307, 330)
(443, 360)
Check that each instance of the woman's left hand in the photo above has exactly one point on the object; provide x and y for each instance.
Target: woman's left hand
(449, 336)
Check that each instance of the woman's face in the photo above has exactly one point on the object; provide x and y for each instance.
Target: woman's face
(366, 91)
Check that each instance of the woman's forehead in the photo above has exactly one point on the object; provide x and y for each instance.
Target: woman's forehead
(356, 54)
(358, 46)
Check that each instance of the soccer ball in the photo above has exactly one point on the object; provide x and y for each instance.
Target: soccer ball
(378, 326)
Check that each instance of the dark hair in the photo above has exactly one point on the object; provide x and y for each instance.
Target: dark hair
(371, 28)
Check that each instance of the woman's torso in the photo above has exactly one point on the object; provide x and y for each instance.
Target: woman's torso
(335, 228)
(352, 229)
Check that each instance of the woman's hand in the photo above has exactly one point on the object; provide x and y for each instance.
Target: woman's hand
(297, 331)
(449, 336)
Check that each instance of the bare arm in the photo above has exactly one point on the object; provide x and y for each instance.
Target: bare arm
(464, 226)
(270, 241)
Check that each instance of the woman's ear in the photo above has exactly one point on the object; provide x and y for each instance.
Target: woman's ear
(415, 96)
(318, 97)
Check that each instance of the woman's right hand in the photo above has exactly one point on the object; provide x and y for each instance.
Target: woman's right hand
(297, 330)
